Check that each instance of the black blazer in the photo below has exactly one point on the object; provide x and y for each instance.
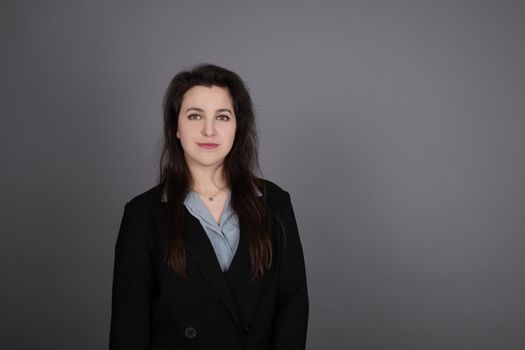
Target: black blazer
(153, 309)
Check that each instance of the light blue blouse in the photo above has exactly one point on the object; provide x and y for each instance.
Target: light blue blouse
(224, 237)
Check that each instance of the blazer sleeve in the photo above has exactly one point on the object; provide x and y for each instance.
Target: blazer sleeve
(291, 317)
(133, 278)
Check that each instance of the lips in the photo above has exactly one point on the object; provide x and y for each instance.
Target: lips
(208, 145)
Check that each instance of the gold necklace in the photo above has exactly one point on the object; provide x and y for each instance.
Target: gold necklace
(210, 198)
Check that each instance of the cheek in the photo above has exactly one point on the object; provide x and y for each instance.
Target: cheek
(231, 136)
(188, 130)
(233, 130)
(186, 137)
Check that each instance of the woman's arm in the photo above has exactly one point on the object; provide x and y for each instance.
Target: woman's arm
(133, 278)
(291, 318)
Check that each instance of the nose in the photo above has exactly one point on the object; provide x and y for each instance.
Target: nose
(209, 127)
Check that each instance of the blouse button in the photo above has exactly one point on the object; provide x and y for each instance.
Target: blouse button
(190, 332)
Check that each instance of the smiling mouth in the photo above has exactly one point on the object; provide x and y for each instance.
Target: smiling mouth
(208, 145)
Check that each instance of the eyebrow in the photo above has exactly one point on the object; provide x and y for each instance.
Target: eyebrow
(202, 110)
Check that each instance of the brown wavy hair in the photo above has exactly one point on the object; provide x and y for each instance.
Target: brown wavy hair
(239, 167)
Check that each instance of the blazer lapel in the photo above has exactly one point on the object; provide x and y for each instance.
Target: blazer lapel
(201, 251)
(241, 260)
(246, 292)
(239, 265)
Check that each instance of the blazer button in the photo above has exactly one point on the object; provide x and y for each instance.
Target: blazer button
(190, 332)
(247, 329)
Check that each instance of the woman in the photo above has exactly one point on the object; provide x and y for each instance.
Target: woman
(210, 258)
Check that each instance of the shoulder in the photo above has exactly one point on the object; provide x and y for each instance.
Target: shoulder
(280, 205)
(147, 204)
(276, 196)
(146, 197)
(271, 187)
(146, 210)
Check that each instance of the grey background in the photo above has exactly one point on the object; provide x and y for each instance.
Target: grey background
(397, 127)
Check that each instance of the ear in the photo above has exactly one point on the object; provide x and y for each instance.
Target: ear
(178, 134)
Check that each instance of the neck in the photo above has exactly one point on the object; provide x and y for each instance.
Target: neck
(207, 179)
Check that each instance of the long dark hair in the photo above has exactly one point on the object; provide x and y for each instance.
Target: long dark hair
(240, 166)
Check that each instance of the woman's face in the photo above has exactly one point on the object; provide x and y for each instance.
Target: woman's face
(206, 125)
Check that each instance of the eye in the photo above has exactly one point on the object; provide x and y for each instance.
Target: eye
(223, 117)
(191, 116)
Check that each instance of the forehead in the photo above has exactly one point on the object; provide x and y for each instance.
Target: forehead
(204, 96)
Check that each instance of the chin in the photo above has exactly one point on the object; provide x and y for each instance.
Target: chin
(208, 161)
